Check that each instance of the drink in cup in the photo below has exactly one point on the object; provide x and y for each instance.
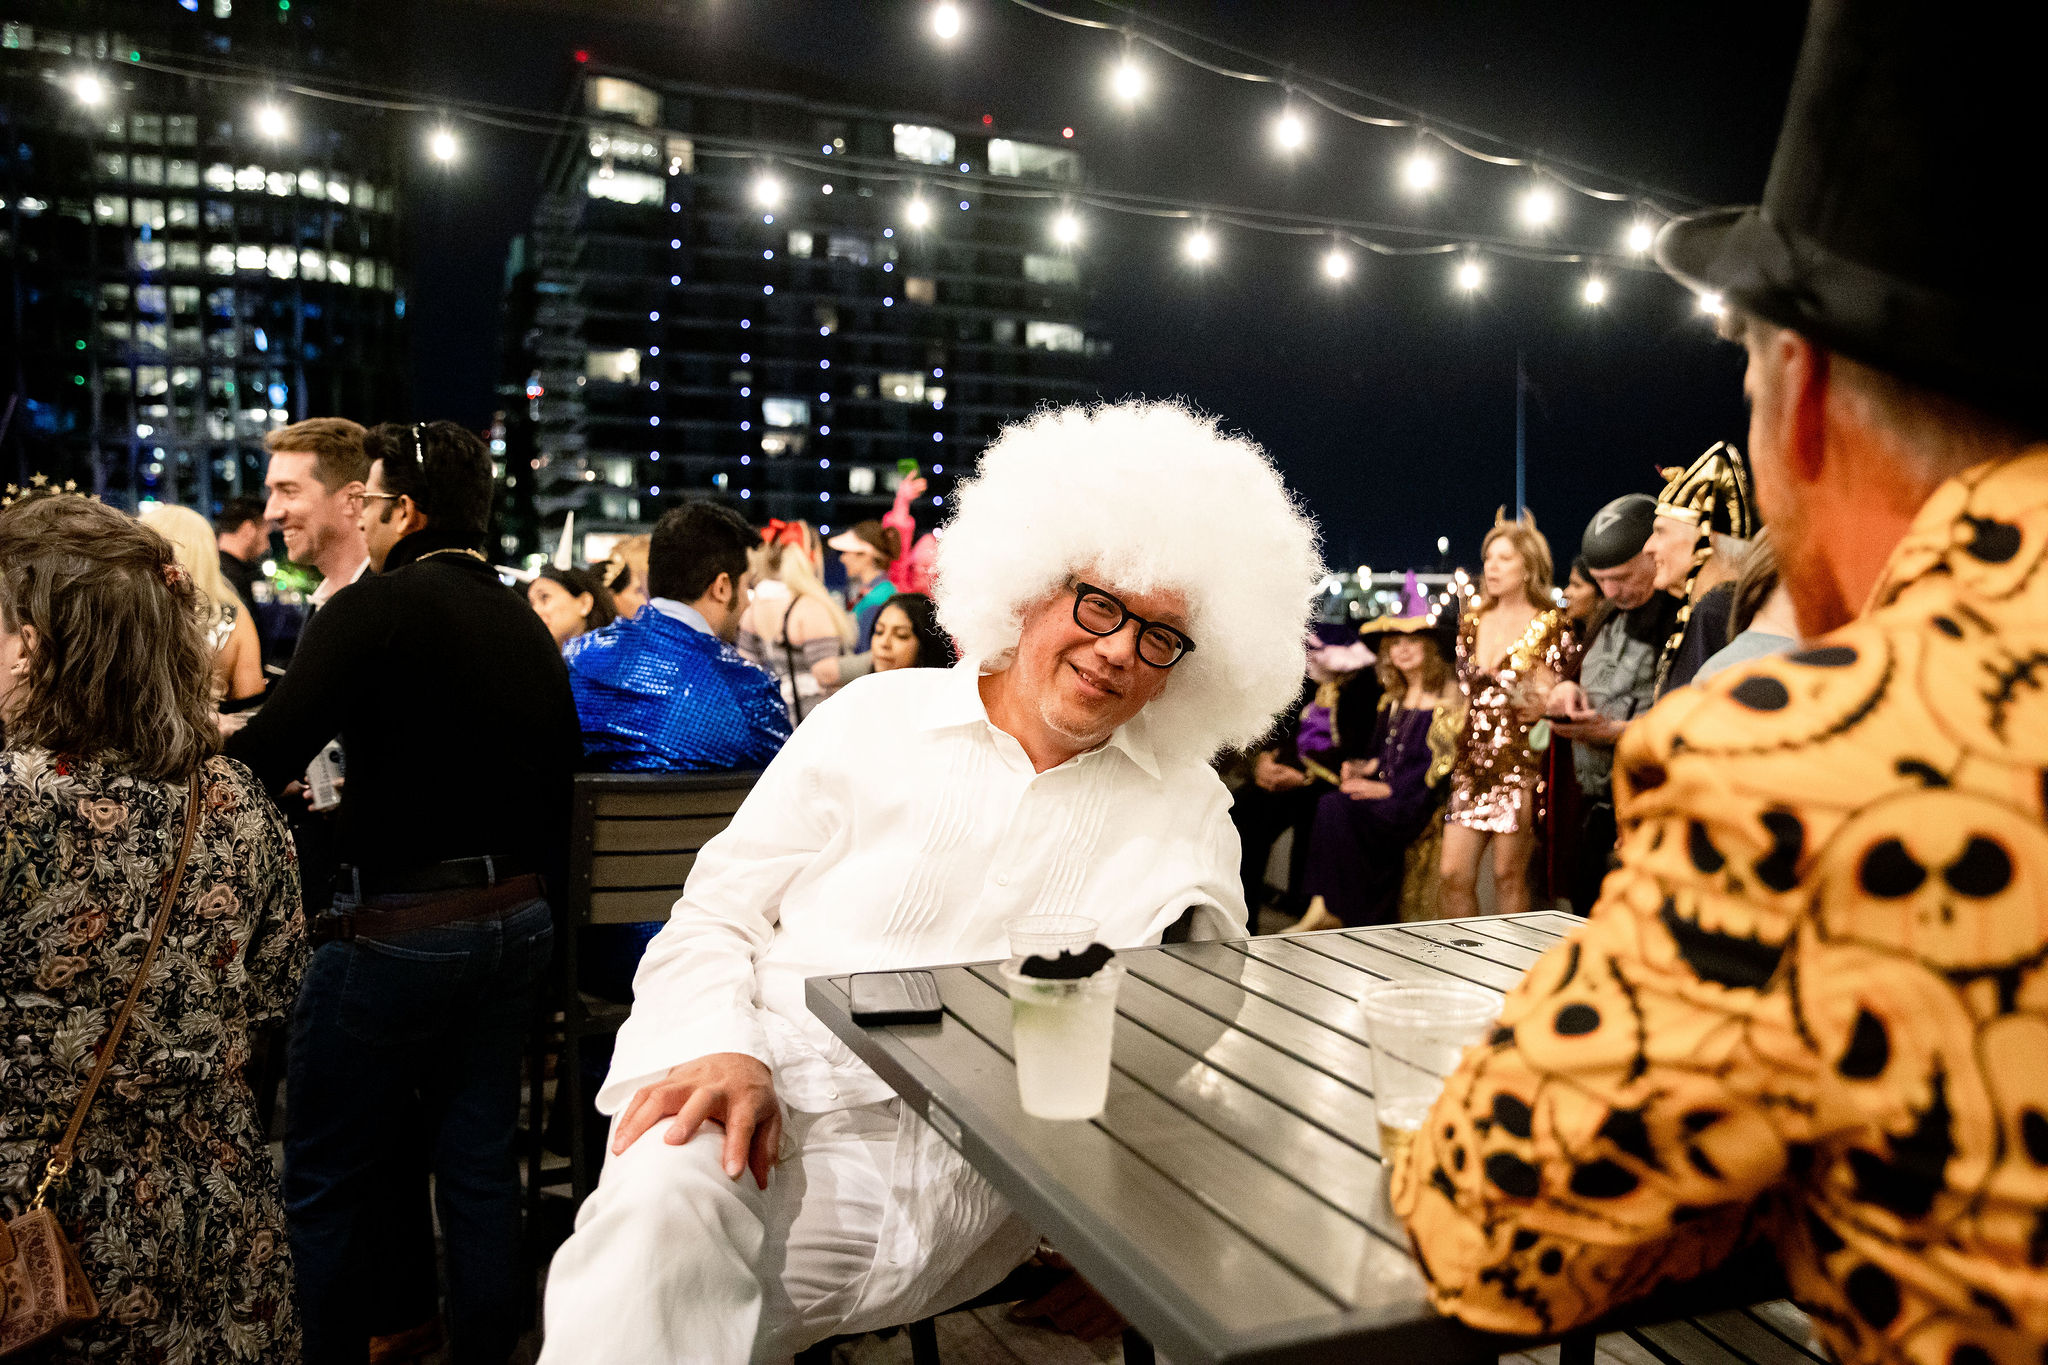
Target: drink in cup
(1062, 1020)
(1418, 1031)
(1049, 935)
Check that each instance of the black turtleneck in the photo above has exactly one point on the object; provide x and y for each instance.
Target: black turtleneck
(453, 709)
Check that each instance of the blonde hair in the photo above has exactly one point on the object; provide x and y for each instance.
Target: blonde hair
(198, 553)
(794, 569)
(1537, 567)
(627, 565)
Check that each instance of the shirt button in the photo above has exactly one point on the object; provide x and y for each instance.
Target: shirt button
(1002, 879)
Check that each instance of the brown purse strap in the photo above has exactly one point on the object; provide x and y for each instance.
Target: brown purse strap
(60, 1159)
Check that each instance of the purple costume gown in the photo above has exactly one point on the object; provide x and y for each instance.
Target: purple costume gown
(1358, 854)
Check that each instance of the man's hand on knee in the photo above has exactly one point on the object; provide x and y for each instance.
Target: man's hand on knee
(730, 1088)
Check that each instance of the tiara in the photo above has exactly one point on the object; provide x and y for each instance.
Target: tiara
(39, 486)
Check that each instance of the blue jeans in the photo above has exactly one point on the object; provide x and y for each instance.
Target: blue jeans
(397, 1041)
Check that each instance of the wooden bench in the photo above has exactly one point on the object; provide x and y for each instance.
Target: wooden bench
(633, 838)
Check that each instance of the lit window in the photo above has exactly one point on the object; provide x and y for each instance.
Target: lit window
(800, 244)
(848, 246)
(338, 269)
(625, 187)
(280, 183)
(613, 367)
(147, 213)
(223, 9)
(151, 380)
(113, 165)
(181, 174)
(283, 262)
(1040, 268)
(251, 257)
(385, 279)
(183, 213)
(249, 179)
(786, 412)
(311, 184)
(1026, 158)
(312, 264)
(146, 128)
(860, 479)
(920, 289)
(147, 170)
(366, 195)
(113, 298)
(617, 145)
(184, 299)
(682, 156)
(220, 177)
(182, 130)
(1003, 331)
(184, 256)
(916, 142)
(782, 443)
(610, 95)
(1054, 336)
(118, 332)
(904, 387)
(337, 191)
(109, 208)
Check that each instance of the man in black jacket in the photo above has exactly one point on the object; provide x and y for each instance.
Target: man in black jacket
(454, 709)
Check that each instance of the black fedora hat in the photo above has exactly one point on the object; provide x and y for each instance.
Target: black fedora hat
(1894, 226)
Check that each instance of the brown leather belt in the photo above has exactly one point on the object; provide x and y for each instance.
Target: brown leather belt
(373, 921)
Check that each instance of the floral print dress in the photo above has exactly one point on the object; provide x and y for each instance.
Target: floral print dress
(173, 1203)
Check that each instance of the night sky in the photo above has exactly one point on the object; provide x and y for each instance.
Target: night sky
(1389, 403)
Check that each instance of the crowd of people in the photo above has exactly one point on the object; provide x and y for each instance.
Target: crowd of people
(1778, 735)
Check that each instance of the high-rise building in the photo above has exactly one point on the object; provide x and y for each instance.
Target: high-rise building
(190, 257)
(782, 302)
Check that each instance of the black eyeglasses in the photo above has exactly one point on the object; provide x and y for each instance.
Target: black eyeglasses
(1100, 613)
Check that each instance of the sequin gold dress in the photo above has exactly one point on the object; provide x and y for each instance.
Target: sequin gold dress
(1496, 776)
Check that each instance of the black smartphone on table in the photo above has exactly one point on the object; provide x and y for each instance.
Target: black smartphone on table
(879, 998)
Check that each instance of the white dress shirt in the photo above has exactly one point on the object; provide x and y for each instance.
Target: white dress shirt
(900, 828)
(682, 611)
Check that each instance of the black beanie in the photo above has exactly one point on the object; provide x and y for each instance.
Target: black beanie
(1618, 531)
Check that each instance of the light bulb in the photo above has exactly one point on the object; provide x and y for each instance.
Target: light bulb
(1421, 171)
(917, 213)
(1066, 229)
(1595, 291)
(1640, 236)
(946, 21)
(767, 191)
(1470, 275)
(441, 145)
(1290, 132)
(1539, 206)
(1712, 304)
(1199, 245)
(88, 89)
(1336, 265)
(1128, 81)
(270, 121)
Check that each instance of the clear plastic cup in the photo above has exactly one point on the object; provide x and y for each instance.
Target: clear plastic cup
(1049, 935)
(1418, 1031)
(1061, 1033)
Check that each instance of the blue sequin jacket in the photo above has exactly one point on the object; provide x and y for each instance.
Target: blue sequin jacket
(655, 695)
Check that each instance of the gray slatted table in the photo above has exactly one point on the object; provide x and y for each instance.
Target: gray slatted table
(1230, 1199)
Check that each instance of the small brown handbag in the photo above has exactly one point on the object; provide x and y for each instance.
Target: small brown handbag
(43, 1291)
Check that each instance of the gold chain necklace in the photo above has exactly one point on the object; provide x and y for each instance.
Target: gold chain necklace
(452, 550)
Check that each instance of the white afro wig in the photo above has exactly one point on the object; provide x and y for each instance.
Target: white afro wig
(1150, 496)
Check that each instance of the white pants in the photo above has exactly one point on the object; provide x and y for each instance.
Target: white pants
(870, 1220)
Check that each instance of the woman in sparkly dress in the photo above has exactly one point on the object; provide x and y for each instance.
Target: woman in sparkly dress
(1513, 646)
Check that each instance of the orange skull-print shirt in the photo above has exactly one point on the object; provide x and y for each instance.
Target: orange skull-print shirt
(1812, 1003)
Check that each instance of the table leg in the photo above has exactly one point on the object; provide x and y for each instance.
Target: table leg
(1577, 1349)
(1137, 1350)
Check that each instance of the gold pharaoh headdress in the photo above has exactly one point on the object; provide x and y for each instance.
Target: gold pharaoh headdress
(1713, 493)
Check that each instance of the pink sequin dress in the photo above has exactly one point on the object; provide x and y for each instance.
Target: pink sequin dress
(1497, 776)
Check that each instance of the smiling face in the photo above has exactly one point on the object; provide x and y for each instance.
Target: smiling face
(1084, 686)
(314, 520)
(895, 640)
(1407, 652)
(1504, 570)
(1671, 548)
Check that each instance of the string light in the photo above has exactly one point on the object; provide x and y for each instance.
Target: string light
(1595, 291)
(88, 89)
(1421, 171)
(1336, 265)
(1539, 206)
(1199, 246)
(946, 22)
(271, 121)
(442, 146)
(1128, 80)
(1641, 236)
(1470, 275)
(1712, 304)
(917, 213)
(767, 191)
(1066, 229)
(1289, 132)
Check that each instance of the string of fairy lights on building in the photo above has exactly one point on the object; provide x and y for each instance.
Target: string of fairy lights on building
(1538, 204)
